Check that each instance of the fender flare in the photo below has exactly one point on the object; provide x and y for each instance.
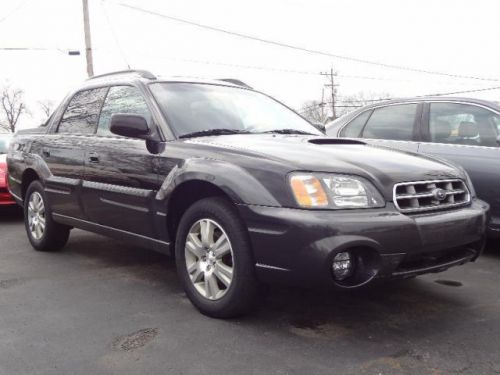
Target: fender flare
(239, 185)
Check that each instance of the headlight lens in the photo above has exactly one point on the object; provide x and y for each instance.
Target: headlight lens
(308, 191)
(334, 191)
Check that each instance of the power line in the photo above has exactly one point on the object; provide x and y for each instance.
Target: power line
(303, 49)
(115, 37)
(19, 6)
(285, 70)
(385, 99)
(464, 91)
(70, 52)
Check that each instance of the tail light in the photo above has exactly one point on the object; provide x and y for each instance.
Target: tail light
(3, 174)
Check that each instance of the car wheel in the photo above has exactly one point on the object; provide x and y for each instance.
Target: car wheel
(214, 259)
(43, 232)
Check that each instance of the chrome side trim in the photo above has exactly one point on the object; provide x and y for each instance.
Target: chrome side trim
(124, 205)
(266, 231)
(63, 180)
(267, 266)
(161, 213)
(143, 193)
(57, 191)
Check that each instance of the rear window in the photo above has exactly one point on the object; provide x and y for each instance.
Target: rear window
(353, 129)
(394, 122)
(82, 113)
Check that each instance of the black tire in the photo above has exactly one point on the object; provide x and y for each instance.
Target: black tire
(55, 235)
(241, 294)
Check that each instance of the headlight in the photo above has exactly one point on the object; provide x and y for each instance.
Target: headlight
(334, 191)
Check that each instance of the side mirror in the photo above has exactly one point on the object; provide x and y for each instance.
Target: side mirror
(498, 139)
(321, 127)
(129, 125)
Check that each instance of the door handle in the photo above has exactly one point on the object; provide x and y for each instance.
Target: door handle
(45, 152)
(94, 157)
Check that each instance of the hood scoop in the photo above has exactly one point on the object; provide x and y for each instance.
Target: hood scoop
(335, 141)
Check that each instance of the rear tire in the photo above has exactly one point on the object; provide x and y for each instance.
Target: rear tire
(43, 232)
(213, 243)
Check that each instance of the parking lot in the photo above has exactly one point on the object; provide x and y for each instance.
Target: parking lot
(104, 307)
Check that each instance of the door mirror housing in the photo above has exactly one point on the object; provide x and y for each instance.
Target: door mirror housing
(129, 125)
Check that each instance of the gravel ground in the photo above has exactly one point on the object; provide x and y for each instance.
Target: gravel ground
(105, 307)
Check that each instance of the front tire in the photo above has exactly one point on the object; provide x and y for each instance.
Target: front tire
(214, 259)
(43, 232)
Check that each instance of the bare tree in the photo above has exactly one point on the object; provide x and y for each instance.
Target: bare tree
(352, 102)
(314, 111)
(319, 112)
(47, 107)
(12, 105)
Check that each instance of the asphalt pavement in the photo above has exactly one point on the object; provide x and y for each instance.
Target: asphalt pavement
(102, 306)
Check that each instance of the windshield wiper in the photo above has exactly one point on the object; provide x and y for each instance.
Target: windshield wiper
(288, 131)
(205, 133)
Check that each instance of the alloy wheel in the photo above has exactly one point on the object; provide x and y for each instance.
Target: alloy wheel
(209, 259)
(36, 215)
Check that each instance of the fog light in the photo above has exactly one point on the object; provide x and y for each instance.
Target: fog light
(343, 266)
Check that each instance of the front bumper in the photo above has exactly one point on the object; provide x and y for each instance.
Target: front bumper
(295, 246)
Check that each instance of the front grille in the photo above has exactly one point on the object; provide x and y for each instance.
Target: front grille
(412, 197)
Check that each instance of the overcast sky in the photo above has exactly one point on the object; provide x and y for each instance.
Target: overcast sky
(455, 37)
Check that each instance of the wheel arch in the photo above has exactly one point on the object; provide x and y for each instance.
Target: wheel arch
(184, 196)
(29, 175)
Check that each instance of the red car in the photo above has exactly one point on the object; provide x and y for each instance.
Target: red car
(5, 197)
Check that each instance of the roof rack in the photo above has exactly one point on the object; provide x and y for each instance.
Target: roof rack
(142, 73)
(236, 82)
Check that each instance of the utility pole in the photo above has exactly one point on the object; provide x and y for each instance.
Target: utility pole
(322, 104)
(333, 89)
(88, 42)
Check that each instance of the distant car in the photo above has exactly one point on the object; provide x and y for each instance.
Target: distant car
(5, 197)
(464, 131)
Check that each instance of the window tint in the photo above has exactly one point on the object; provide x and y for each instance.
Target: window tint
(392, 122)
(82, 112)
(463, 124)
(353, 129)
(122, 99)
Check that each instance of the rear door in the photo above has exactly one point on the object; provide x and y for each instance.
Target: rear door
(63, 151)
(467, 134)
(394, 126)
(120, 177)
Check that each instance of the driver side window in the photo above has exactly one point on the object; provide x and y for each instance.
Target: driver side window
(122, 99)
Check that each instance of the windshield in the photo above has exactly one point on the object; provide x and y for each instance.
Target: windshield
(4, 144)
(193, 108)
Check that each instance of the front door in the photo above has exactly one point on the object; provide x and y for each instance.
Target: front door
(468, 135)
(120, 178)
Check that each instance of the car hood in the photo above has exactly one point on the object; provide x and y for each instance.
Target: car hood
(383, 166)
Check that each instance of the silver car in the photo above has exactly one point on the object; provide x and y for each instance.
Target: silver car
(465, 131)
